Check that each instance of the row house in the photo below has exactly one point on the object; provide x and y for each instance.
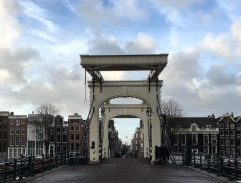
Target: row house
(17, 135)
(3, 134)
(35, 144)
(229, 131)
(76, 131)
(198, 134)
(59, 136)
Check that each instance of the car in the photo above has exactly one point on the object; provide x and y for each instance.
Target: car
(239, 160)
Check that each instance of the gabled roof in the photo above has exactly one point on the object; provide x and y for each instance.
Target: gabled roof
(185, 122)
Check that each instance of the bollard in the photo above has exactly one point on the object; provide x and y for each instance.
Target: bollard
(200, 162)
(14, 169)
(50, 163)
(218, 166)
(29, 165)
(32, 172)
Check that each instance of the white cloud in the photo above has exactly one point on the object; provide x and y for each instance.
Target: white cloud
(31, 10)
(9, 29)
(143, 43)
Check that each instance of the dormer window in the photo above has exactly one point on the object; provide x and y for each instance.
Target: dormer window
(194, 127)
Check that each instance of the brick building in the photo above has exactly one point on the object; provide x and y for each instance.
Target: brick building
(75, 129)
(3, 134)
(17, 135)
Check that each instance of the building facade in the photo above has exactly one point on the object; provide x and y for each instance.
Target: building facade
(3, 134)
(17, 136)
(229, 130)
(59, 136)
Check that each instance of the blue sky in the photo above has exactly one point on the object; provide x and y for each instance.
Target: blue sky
(41, 40)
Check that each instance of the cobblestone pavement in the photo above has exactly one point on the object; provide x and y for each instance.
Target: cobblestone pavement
(125, 170)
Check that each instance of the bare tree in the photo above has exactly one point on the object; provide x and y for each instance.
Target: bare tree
(46, 125)
(171, 108)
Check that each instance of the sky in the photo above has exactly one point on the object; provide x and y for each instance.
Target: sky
(41, 40)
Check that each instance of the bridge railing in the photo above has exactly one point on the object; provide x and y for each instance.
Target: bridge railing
(16, 169)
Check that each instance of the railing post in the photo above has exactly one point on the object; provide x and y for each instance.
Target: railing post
(29, 165)
(32, 172)
(14, 169)
(42, 164)
(50, 163)
(21, 169)
(208, 156)
(5, 174)
(194, 160)
(235, 169)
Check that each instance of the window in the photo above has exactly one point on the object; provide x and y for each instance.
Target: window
(72, 137)
(194, 139)
(205, 149)
(5, 127)
(4, 136)
(72, 146)
(17, 131)
(11, 131)
(22, 141)
(19, 152)
(227, 142)
(23, 121)
(182, 139)
(64, 138)
(58, 130)
(5, 147)
(205, 138)
(10, 153)
(77, 128)
(231, 142)
(23, 131)
(0, 137)
(15, 153)
(64, 148)
(221, 125)
(17, 122)
(214, 151)
(52, 138)
(72, 128)
(65, 130)
(17, 141)
(58, 149)
(58, 138)
(214, 139)
(23, 152)
(221, 132)
(232, 125)
(194, 126)
(76, 136)
(74, 121)
(231, 132)
(221, 141)
(11, 122)
(1, 126)
(11, 141)
(58, 123)
(226, 132)
(208, 126)
(226, 125)
(77, 146)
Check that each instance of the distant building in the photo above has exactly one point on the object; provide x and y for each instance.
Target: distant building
(35, 144)
(76, 124)
(230, 135)
(3, 134)
(59, 136)
(199, 134)
(17, 135)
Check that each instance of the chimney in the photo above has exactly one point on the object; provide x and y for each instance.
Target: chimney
(232, 114)
(32, 112)
(12, 113)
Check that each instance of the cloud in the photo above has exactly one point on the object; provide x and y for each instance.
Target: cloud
(31, 10)
(142, 44)
(99, 14)
(9, 29)
(14, 62)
